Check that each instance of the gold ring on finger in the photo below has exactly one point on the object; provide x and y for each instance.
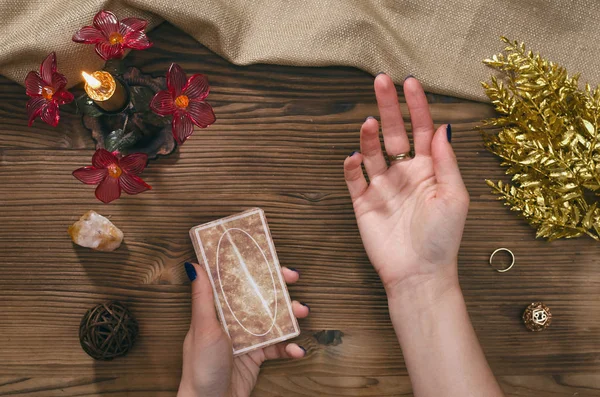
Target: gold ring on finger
(399, 157)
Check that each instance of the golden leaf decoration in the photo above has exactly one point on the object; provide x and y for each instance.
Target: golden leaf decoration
(549, 142)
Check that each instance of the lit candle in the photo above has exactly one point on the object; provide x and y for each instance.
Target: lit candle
(105, 91)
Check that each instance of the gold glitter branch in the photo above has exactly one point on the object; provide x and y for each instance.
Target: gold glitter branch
(548, 139)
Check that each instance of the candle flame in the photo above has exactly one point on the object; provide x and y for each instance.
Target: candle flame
(91, 80)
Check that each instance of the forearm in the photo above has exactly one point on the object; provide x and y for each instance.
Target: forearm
(440, 347)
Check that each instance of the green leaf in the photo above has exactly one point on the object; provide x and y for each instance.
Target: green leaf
(114, 66)
(111, 142)
(154, 119)
(141, 98)
(119, 141)
(86, 106)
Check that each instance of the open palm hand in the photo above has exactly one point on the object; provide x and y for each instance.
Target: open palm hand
(411, 214)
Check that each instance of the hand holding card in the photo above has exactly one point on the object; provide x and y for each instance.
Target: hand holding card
(251, 296)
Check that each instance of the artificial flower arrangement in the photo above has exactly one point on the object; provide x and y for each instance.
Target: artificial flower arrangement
(125, 110)
(549, 142)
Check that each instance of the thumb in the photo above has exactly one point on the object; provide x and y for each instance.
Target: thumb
(204, 316)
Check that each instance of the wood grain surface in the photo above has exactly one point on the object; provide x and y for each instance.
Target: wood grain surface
(279, 143)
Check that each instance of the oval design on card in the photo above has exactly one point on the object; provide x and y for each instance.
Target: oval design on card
(236, 238)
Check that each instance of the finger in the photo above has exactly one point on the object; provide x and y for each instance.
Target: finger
(284, 350)
(290, 275)
(204, 316)
(353, 173)
(392, 125)
(420, 117)
(295, 351)
(445, 165)
(370, 148)
(301, 310)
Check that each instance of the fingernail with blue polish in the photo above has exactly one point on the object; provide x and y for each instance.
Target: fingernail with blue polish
(305, 305)
(408, 77)
(302, 349)
(352, 154)
(190, 271)
(449, 132)
(293, 268)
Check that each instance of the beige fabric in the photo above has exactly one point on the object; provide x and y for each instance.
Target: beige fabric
(442, 42)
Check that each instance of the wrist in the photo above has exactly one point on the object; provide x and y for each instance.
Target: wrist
(186, 390)
(421, 292)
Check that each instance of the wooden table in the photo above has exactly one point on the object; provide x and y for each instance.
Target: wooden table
(279, 143)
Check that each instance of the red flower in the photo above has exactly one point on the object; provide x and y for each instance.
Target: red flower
(47, 92)
(184, 99)
(112, 174)
(112, 36)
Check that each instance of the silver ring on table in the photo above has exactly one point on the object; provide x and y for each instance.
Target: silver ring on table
(511, 264)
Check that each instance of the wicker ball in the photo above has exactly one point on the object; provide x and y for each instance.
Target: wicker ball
(107, 331)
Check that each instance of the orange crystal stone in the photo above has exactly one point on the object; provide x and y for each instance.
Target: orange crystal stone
(94, 231)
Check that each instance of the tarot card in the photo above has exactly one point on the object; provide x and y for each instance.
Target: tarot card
(251, 296)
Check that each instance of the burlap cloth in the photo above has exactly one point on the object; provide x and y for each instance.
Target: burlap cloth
(442, 42)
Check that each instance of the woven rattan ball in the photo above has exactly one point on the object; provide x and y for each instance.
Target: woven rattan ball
(107, 331)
